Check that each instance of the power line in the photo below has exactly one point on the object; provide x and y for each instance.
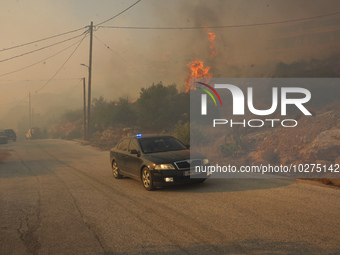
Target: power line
(61, 66)
(54, 74)
(123, 59)
(119, 13)
(72, 31)
(47, 38)
(73, 89)
(40, 60)
(26, 53)
(64, 79)
(226, 26)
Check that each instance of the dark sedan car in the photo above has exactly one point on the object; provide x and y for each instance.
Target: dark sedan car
(156, 161)
(3, 137)
(11, 135)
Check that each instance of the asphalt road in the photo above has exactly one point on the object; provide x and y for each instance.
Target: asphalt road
(58, 197)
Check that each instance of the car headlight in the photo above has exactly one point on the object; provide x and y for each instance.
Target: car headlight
(205, 161)
(164, 167)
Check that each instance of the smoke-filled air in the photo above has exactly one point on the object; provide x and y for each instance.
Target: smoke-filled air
(45, 45)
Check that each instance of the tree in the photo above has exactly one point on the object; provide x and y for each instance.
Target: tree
(159, 108)
(123, 113)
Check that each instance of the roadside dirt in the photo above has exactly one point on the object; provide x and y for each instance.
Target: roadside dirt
(4, 155)
(316, 140)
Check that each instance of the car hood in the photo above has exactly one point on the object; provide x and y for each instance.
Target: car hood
(171, 156)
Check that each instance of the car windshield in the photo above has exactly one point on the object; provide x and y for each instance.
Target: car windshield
(160, 144)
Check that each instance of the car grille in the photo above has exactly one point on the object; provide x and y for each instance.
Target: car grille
(188, 164)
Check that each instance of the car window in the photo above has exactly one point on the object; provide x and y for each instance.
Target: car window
(160, 144)
(133, 145)
(119, 144)
(124, 144)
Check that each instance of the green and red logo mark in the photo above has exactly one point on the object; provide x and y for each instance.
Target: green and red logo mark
(204, 96)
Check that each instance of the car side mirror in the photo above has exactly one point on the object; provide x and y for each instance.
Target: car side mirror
(187, 146)
(135, 152)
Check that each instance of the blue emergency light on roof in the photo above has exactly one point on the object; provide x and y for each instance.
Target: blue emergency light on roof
(139, 135)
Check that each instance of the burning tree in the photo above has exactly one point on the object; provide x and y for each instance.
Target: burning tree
(197, 70)
(196, 67)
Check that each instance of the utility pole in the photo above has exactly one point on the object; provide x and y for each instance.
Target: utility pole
(29, 111)
(84, 93)
(32, 118)
(89, 88)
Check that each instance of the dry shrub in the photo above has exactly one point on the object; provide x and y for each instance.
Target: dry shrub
(271, 156)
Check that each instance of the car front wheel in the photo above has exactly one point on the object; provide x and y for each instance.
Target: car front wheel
(147, 179)
(115, 171)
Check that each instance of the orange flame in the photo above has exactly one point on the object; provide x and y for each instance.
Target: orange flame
(197, 70)
(211, 38)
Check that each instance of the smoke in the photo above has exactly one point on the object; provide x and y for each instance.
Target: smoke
(254, 51)
(124, 61)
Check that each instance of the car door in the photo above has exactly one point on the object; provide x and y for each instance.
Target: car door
(122, 150)
(133, 161)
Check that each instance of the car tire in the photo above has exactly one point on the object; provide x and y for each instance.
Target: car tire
(147, 179)
(115, 171)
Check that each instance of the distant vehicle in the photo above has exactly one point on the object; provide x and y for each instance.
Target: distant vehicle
(156, 161)
(34, 133)
(11, 135)
(3, 137)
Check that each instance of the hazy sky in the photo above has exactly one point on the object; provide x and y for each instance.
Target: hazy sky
(136, 58)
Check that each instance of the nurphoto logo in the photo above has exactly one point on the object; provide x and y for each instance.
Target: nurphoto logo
(238, 105)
